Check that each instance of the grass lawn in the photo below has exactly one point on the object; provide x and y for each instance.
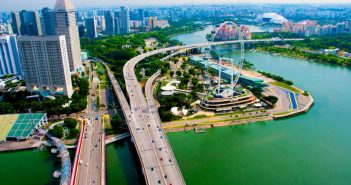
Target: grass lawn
(285, 86)
(281, 113)
(103, 85)
(101, 68)
(107, 123)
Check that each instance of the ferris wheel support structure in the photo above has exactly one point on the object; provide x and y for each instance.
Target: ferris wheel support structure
(234, 81)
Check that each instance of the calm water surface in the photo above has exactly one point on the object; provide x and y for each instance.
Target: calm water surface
(28, 168)
(310, 149)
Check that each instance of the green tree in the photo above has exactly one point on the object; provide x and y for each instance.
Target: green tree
(179, 73)
(272, 99)
(57, 131)
(195, 81)
(70, 123)
(73, 133)
(116, 122)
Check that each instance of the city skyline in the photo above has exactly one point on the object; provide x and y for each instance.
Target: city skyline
(17, 5)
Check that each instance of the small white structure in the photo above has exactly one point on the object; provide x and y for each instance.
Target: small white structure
(168, 87)
(167, 93)
(257, 105)
(272, 18)
(174, 111)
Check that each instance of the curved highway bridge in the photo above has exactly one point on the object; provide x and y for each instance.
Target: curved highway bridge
(157, 159)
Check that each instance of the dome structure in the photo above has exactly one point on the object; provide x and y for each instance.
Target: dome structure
(274, 18)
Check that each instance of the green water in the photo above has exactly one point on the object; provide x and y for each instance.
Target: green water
(28, 168)
(122, 164)
(37, 167)
(310, 149)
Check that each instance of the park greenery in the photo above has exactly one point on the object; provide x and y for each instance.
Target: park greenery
(299, 53)
(276, 77)
(151, 65)
(176, 100)
(16, 102)
(269, 35)
(68, 129)
(117, 50)
(57, 131)
(309, 48)
(271, 99)
(115, 125)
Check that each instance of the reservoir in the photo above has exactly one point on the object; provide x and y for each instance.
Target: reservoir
(313, 148)
(310, 149)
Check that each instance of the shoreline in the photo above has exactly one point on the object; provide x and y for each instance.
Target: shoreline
(303, 107)
(108, 141)
(224, 123)
(220, 124)
(301, 58)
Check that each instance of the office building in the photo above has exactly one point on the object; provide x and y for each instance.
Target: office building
(118, 23)
(26, 23)
(152, 23)
(141, 15)
(90, 25)
(125, 20)
(45, 65)
(110, 23)
(66, 25)
(81, 30)
(16, 23)
(9, 57)
(48, 17)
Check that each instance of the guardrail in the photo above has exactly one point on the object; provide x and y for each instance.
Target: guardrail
(125, 109)
(103, 151)
(151, 103)
(76, 157)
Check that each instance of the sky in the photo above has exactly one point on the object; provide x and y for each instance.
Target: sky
(15, 5)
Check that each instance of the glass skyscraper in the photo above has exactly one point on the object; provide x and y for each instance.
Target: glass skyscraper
(9, 57)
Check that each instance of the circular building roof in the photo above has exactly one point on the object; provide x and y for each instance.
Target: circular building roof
(273, 18)
(167, 93)
(168, 88)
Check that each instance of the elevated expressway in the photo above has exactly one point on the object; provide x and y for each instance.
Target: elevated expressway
(158, 162)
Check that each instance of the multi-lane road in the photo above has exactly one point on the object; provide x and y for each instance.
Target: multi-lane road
(157, 159)
(91, 159)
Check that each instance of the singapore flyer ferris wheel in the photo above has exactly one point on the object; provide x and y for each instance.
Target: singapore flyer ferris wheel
(228, 31)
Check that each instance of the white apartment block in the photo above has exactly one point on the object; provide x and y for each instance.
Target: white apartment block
(45, 65)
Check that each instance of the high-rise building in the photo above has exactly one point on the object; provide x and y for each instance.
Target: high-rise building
(141, 15)
(152, 23)
(90, 25)
(110, 23)
(174, 15)
(9, 57)
(48, 17)
(45, 64)
(118, 23)
(100, 23)
(16, 23)
(81, 30)
(125, 20)
(26, 23)
(66, 24)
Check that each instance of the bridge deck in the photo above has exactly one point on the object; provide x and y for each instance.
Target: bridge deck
(157, 159)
